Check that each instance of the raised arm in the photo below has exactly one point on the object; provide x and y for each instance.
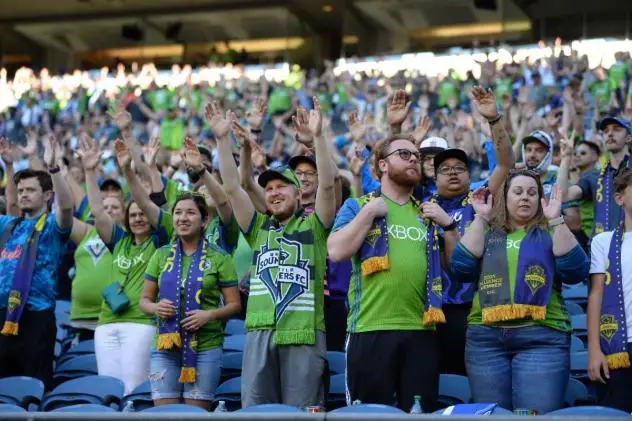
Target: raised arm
(139, 195)
(563, 239)
(396, 111)
(90, 157)
(123, 121)
(10, 192)
(474, 238)
(156, 180)
(63, 197)
(243, 208)
(325, 193)
(246, 176)
(485, 102)
(567, 192)
(30, 150)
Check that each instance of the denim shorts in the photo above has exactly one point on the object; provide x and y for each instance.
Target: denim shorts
(165, 372)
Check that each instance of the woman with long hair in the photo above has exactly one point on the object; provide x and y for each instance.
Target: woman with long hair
(124, 333)
(183, 284)
(519, 251)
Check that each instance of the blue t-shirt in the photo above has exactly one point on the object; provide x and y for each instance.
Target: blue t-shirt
(50, 251)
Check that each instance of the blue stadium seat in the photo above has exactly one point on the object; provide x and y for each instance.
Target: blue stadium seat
(234, 343)
(231, 365)
(230, 392)
(575, 391)
(82, 348)
(79, 366)
(270, 407)
(101, 390)
(579, 365)
(177, 407)
(368, 408)
(577, 344)
(337, 392)
(235, 327)
(23, 391)
(453, 389)
(85, 407)
(62, 306)
(10, 408)
(578, 322)
(336, 361)
(589, 410)
(140, 396)
(573, 308)
(576, 293)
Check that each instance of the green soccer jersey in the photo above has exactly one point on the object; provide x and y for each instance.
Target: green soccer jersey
(219, 273)
(447, 89)
(224, 236)
(279, 100)
(556, 314)
(129, 262)
(616, 73)
(303, 250)
(93, 272)
(392, 299)
(172, 134)
(601, 91)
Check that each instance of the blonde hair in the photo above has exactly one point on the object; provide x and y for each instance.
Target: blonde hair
(500, 217)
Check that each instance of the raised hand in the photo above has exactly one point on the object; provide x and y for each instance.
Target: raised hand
(357, 160)
(241, 134)
(123, 156)
(567, 145)
(88, 152)
(50, 155)
(219, 124)
(552, 208)
(256, 116)
(485, 102)
(315, 123)
(422, 129)
(355, 127)
(192, 156)
(436, 214)
(482, 205)
(397, 109)
(31, 143)
(154, 149)
(122, 118)
(6, 151)
(300, 125)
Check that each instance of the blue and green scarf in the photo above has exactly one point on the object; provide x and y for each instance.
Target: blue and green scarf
(612, 324)
(22, 277)
(602, 197)
(374, 258)
(533, 283)
(170, 334)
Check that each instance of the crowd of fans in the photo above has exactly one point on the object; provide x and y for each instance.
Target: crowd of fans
(421, 225)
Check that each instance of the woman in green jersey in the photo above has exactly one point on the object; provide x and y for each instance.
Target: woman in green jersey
(124, 333)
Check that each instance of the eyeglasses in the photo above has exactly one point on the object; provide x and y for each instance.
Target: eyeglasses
(404, 154)
(309, 173)
(458, 169)
(582, 153)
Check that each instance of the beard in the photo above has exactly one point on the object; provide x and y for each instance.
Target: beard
(403, 178)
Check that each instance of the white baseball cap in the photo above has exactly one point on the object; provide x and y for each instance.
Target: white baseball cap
(433, 144)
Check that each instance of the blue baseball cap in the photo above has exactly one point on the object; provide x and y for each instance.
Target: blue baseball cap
(615, 120)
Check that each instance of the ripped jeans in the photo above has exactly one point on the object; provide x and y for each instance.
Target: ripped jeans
(165, 372)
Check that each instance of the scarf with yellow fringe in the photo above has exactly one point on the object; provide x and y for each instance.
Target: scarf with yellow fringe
(533, 283)
(374, 258)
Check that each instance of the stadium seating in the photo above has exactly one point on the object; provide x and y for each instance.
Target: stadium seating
(62, 306)
(235, 327)
(579, 365)
(368, 408)
(178, 407)
(234, 343)
(576, 392)
(337, 392)
(577, 344)
(336, 361)
(82, 348)
(101, 390)
(573, 308)
(140, 396)
(86, 407)
(272, 407)
(80, 366)
(26, 392)
(453, 389)
(576, 293)
(230, 392)
(589, 410)
(8, 408)
(231, 365)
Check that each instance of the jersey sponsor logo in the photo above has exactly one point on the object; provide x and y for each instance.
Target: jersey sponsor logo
(283, 271)
(96, 248)
(124, 263)
(11, 255)
(401, 232)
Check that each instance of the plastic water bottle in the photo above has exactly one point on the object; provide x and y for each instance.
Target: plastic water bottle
(416, 409)
(356, 402)
(221, 407)
(129, 407)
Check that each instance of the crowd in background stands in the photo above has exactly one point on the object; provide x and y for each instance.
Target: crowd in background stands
(423, 225)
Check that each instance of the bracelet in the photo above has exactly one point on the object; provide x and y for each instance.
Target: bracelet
(255, 130)
(495, 119)
(556, 221)
(451, 226)
(53, 170)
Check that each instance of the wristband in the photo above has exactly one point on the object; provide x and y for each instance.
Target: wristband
(255, 130)
(158, 198)
(556, 221)
(53, 170)
(496, 119)
(451, 226)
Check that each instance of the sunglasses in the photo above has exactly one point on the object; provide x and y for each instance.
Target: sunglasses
(404, 154)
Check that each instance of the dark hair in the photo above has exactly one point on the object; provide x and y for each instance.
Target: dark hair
(44, 178)
(382, 149)
(126, 221)
(622, 180)
(500, 217)
(592, 145)
(197, 198)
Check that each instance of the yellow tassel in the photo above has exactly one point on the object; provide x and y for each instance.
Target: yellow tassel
(187, 375)
(508, 312)
(169, 341)
(9, 328)
(433, 315)
(618, 360)
(375, 264)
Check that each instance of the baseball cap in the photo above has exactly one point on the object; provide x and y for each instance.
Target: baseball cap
(615, 120)
(282, 173)
(110, 182)
(300, 159)
(433, 145)
(204, 150)
(539, 136)
(450, 153)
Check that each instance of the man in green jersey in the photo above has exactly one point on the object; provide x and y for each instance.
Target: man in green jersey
(392, 345)
(285, 351)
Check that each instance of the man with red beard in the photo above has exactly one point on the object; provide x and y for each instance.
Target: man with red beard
(395, 289)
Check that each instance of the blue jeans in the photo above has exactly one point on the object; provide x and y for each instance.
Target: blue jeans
(165, 372)
(521, 367)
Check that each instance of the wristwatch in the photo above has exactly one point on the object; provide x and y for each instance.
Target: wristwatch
(556, 221)
(452, 226)
(495, 119)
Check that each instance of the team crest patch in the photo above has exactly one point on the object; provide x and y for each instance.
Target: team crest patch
(96, 248)
(608, 326)
(534, 278)
(437, 286)
(373, 235)
(599, 228)
(15, 299)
